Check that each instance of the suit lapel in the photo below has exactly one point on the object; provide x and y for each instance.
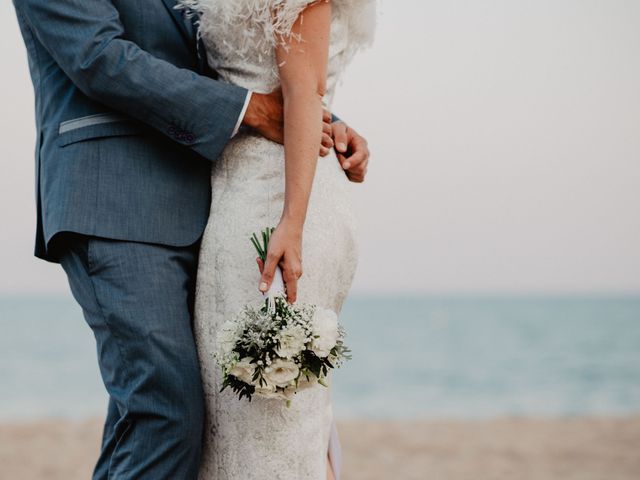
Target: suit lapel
(185, 26)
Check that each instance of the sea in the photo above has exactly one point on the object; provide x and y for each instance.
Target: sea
(413, 358)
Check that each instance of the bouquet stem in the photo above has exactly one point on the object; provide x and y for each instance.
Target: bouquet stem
(277, 285)
(268, 351)
(262, 246)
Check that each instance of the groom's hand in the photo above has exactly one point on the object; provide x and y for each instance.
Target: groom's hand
(353, 151)
(265, 114)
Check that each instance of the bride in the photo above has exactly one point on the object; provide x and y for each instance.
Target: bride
(303, 47)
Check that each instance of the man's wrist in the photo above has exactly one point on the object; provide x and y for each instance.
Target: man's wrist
(243, 113)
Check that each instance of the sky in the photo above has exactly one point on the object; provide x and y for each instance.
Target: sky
(506, 150)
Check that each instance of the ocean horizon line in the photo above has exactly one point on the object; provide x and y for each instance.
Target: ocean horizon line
(401, 296)
(414, 357)
(471, 419)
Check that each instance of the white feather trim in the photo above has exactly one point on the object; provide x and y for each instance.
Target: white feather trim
(362, 19)
(267, 22)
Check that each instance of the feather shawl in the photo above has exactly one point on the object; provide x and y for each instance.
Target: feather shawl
(266, 23)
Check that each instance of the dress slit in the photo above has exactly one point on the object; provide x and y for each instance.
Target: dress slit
(335, 451)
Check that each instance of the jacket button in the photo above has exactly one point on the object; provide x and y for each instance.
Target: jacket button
(190, 138)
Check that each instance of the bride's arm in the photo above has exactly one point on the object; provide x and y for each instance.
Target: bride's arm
(303, 74)
(302, 59)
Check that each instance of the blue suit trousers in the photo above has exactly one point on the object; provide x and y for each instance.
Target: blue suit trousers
(138, 300)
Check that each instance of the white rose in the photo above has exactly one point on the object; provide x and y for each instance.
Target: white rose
(325, 332)
(281, 373)
(244, 370)
(292, 341)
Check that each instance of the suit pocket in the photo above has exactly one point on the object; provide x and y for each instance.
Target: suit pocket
(97, 126)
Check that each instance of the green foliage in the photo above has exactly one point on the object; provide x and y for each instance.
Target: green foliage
(257, 333)
(262, 245)
(239, 387)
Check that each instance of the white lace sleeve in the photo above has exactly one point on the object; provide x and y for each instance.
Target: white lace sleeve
(267, 22)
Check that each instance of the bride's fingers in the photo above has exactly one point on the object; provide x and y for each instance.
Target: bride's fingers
(260, 264)
(326, 116)
(268, 272)
(292, 291)
(291, 272)
(327, 135)
(291, 282)
(327, 145)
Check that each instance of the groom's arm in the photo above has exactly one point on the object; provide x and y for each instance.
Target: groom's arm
(85, 38)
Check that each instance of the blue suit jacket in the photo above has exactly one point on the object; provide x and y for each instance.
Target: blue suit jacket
(128, 120)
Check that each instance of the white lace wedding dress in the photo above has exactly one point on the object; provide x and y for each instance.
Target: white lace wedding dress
(264, 439)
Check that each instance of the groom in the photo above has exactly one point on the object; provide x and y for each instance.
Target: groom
(129, 122)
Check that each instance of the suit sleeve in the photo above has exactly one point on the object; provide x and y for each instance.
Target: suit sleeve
(85, 38)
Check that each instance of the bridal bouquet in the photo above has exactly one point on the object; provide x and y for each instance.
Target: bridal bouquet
(279, 349)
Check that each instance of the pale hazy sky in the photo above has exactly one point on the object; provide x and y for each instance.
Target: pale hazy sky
(506, 140)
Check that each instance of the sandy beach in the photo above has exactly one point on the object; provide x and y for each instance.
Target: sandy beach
(514, 449)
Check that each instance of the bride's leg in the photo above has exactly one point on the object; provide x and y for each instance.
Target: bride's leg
(330, 475)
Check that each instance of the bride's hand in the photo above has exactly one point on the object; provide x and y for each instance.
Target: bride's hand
(285, 250)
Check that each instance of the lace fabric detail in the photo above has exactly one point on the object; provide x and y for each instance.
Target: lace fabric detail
(264, 438)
